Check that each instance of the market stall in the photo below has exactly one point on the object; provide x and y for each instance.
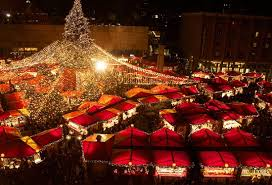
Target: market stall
(190, 92)
(200, 121)
(166, 138)
(190, 108)
(97, 148)
(175, 97)
(154, 99)
(169, 118)
(164, 89)
(238, 86)
(218, 87)
(91, 107)
(14, 118)
(217, 164)
(201, 74)
(170, 163)
(108, 100)
(255, 164)
(234, 75)
(8, 134)
(237, 138)
(81, 123)
(138, 93)
(264, 101)
(252, 76)
(229, 119)
(264, 87)
(128, 108)
(14, 151)
(73, 114)
(48, 137)
(248, 111)
(71, 97)
(130, 162)
(215, 105)
(206, 138)
(131, 136)
(108, 117)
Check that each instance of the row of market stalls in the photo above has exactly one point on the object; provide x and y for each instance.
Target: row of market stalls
(108, 110)
(214, 115)
(15, 148)
(229, 75)
(13, 110)
(134, 152)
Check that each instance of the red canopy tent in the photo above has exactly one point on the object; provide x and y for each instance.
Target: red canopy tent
(166, 138)
(219, 74)
(169, 115)
(206, 138)
(237, 84)
(198, 119)
(217, 159)
(162, 89)
(130, 157)
(215, 105)
(48, 137)
(84, 120)
(174, 95)
(106, 114)
(189, 91)
(109, 100)
(219, 81)
(233, 73)
(190, 108)
(244, 108)
(98, 151)
(8, 134)
(228, 115)
(239, 138)
(153, 99)
(126, 105)
(168, 158)
(266, 97)
(253, 75)
(131, 136)
(255, 159)
(138, 93)
(17, 149)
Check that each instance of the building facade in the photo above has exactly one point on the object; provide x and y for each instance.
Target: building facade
(222, 42)
(20, 40)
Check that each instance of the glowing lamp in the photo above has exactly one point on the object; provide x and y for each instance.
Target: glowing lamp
(226, 165)
(174, 165)
(101, 65)
(79, 138)
(68, 137)
(8, 15)
(129, 163)
(132, 125)
(2, 155)
(268, 165)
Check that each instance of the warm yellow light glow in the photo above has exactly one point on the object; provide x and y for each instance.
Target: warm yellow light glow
(129, 163)
(101, 65)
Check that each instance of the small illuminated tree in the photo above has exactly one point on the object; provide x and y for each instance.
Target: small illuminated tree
(76, 28)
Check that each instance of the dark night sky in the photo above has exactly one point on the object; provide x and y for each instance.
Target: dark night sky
(260, 7)
(125, 11)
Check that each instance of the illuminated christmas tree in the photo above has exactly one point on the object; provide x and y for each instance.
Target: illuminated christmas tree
(76, 28)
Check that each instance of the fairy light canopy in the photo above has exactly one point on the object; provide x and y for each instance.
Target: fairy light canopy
(91, 70)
